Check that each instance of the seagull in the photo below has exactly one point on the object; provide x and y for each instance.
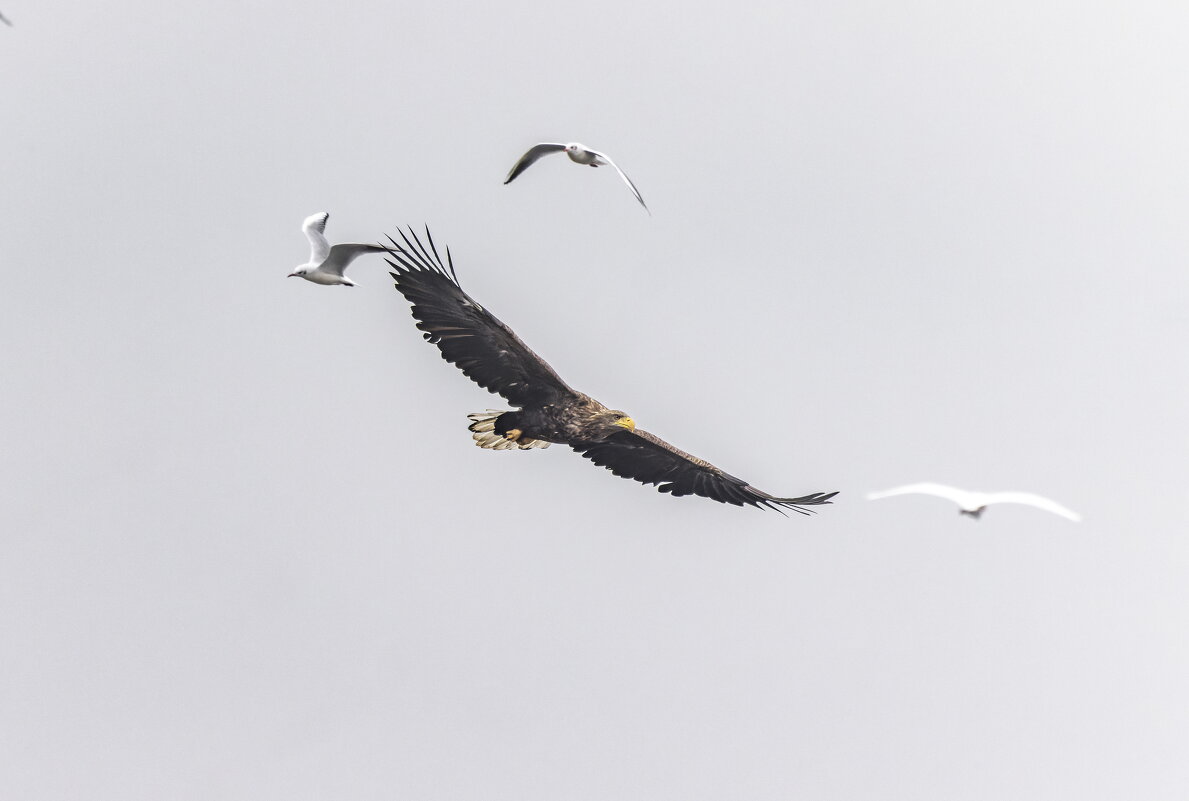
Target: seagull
(327, 263)
(972, 504)
(579, 154)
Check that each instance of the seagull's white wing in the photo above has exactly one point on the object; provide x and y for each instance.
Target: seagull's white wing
(342, 255)
(528, 159)
(315, 227)
(967, 500)
(625, 178)
(1031, 499)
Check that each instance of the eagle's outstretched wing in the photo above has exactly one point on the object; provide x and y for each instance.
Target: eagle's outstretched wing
(648, 459)
(469, 336)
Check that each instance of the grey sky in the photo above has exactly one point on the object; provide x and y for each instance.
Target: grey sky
(249, 550)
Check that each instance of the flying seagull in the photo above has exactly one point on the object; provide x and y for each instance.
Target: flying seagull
(327, 263)
(579, 154)
(492, 356)
(974, 503)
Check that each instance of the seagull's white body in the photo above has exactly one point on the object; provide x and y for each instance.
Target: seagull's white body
(579, 154)
(973, 503)
(327, 263)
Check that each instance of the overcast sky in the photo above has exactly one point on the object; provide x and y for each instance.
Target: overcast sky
(249, 550)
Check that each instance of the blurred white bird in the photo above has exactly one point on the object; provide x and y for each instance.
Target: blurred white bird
(327, 263)
(973, 503)
(579, 154)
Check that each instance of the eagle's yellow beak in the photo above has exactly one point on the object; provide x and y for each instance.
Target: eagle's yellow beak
(627, 423)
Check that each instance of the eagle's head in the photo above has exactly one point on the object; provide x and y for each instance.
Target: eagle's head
(618, 418)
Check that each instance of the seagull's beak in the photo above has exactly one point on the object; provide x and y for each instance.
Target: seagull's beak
(291, 275)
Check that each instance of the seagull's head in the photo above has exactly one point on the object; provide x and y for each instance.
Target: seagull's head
(574, 147)
(299, 272)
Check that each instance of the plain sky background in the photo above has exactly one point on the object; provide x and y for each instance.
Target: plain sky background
(249, 550)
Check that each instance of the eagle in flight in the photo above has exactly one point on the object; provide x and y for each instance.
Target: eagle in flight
(549, 410)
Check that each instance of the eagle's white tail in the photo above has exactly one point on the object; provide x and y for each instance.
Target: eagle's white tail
(483, 432)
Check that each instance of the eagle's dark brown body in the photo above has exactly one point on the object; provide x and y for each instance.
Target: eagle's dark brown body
(584, 419)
